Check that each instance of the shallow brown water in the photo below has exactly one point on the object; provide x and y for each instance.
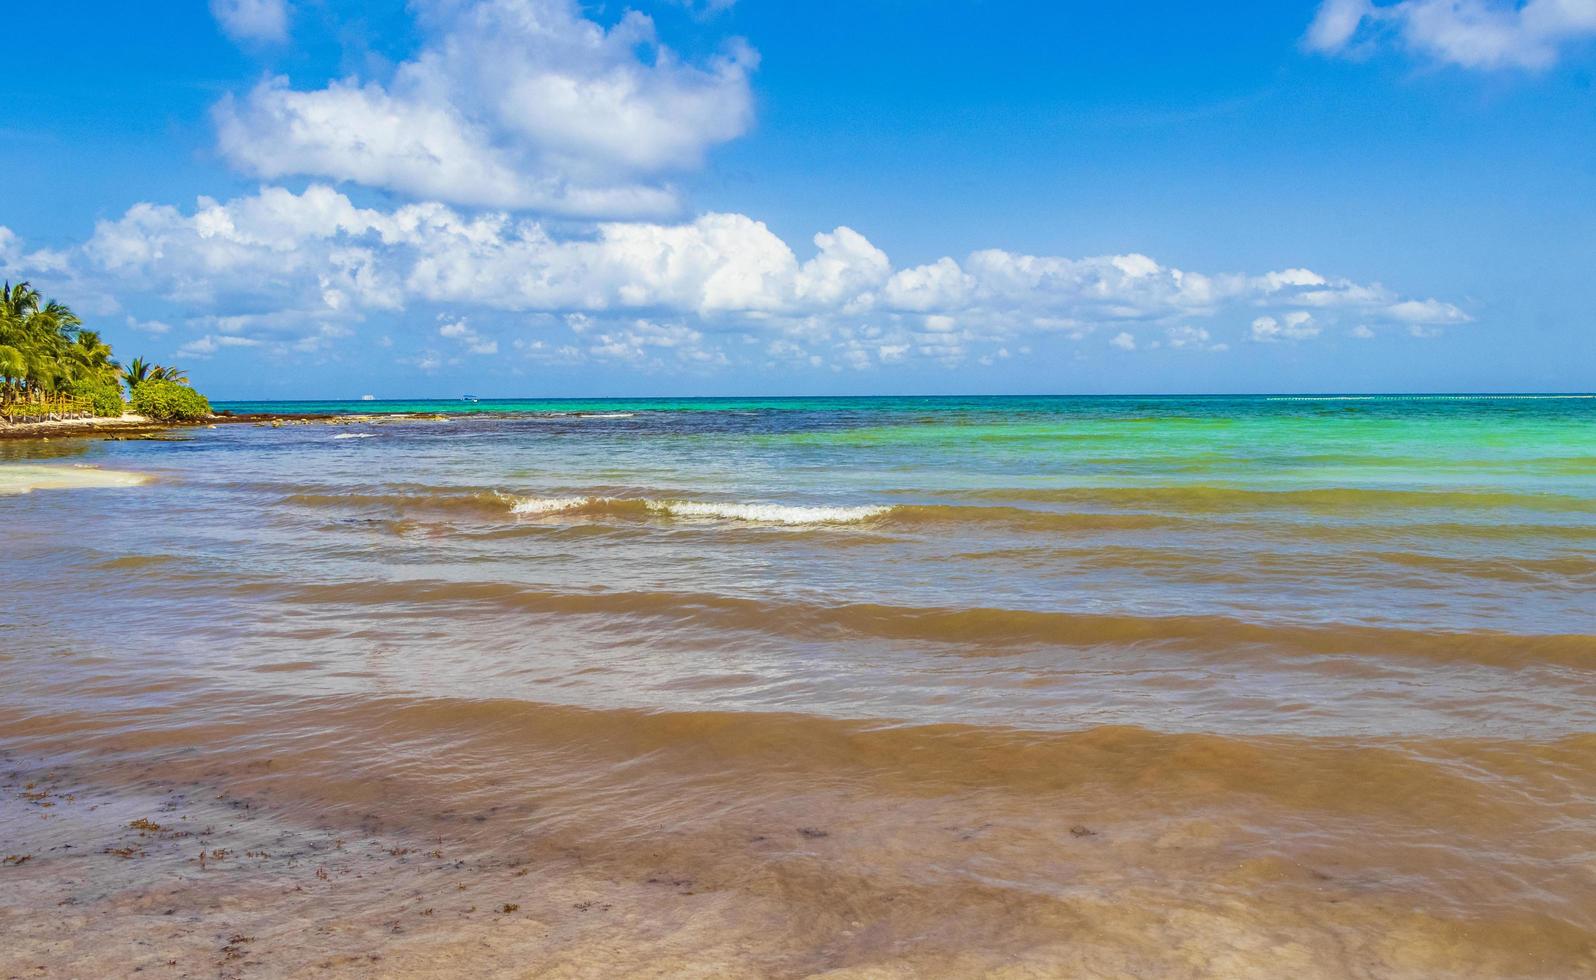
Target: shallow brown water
(785, 695)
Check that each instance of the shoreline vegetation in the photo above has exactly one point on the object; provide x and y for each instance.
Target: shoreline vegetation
(54, 370)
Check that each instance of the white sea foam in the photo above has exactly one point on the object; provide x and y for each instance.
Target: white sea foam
(769, 513)
(608, 415)
(1426, 398)
(354, 435)
(547, 505)
(731, 511)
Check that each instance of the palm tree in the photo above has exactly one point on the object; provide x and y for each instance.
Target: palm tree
(136, 371)
(93, 356)
(169, 372)
(45, 352)
(139, 370)
(50, 364)
(13, 364)
(30, 340)
(18, 301)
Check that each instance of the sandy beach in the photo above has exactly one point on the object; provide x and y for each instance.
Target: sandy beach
(224, 867)
(18, 478)
(181, 880)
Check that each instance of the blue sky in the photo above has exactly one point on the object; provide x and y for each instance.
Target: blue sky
(297, 198)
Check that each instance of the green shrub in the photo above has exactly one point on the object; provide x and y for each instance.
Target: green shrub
(103, 398)
(168, 401)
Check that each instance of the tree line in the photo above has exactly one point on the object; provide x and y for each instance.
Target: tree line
(52, 366)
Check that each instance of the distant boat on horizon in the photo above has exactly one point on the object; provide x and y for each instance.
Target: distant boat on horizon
(469, 398)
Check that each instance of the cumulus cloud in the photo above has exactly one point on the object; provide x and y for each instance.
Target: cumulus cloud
(521, 104)
(467, 337)
(639, 340)
(1335, 24)
(252, 20)
(156, 327)
(320, 246)
(1186, 336)
(1428, 311)
(1483, 34)
(1295, 325)
(14, 256)
(205, 346)
(287, 268)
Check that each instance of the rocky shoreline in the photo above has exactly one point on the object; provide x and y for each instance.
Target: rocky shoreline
(139, 426)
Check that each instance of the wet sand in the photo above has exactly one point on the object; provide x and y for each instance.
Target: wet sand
(638, 845)
(182, 881)
(17, 478)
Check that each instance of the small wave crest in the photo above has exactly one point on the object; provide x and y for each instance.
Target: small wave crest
(354, 435)
(548, 505)
(732, 511)
(773, 513)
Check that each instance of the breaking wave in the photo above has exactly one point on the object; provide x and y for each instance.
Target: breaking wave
(754, 512)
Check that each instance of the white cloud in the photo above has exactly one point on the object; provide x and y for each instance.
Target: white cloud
(1295, 325)
(706, 8)
(845, 266)
(291, 269)
(1185, 336)
(1362, 332)
(427, 361)
(468, 338)
(324, 337)
(522, 104)
(302, 247)
(643, 342)
(13, 258)
(1335, 23)
(1428, 311)
(252, 20)
(209, 344)
(156, 327)
(939, 285)
(1484, 34)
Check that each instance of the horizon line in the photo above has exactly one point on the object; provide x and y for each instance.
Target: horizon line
(1300, 395)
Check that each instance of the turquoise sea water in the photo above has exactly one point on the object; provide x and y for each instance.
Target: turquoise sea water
(1409, 515)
